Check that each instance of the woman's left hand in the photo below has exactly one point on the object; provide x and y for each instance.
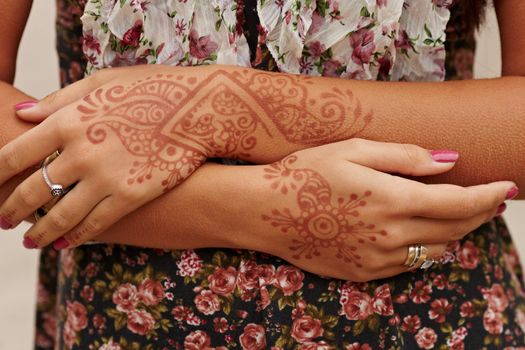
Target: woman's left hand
(116, 147)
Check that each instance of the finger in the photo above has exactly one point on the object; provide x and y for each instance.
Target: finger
(396, 158)
(455, 202)
(105, 214)
(396, 266)
(36, 112)
(28, 149)
(425, 230)
(63, 217)
(33, 192)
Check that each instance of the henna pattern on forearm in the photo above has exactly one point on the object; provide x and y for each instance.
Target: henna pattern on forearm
(321, 221)
(172, 123)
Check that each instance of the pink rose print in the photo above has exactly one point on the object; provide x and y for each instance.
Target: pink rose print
(467, 309)
(468, 256)
(76, 316)
(222, 281)
(362, 41)
(201, 47)
(331, 68)
(306, 328)
(456, 340)
(197, 340)
(207, 302)
(248, 275)
(189, 264)
(316, 49)
(358, 306)
(440, 308)
(420, 294)
(426, 338)
(132, 35)
(493, 321)
(125, 297)
(403, 41)
(382, 302)
(289, 279)
(496, 297)
(140, 322)
(266, 274)
(150, 292)
(253, 337)
(69, 336)
(411, 324)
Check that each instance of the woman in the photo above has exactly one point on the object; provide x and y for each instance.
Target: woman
(330, 208)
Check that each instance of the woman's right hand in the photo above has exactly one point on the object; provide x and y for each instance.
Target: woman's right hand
(338, 210)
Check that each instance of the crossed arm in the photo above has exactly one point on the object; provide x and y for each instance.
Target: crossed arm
(478, 114)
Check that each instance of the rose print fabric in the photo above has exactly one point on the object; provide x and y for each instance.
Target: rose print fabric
(105, 297)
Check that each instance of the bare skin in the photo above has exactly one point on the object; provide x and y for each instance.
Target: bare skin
(386, 128)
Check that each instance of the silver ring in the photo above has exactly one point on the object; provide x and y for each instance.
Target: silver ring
(55, 189)
(427, 264)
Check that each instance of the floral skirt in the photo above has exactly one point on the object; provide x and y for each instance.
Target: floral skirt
(118, 297)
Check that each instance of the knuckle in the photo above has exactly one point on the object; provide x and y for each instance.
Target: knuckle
(52, 97)
(412, 153)
(10, 159)
(58, 221)
(26, 195)
(396, 238)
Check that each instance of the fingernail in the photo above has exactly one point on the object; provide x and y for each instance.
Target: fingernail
(501, 209)
(513, 192)
(29, 244)
(444, 156)
(60, 244)
(25, 105)
(4, 223)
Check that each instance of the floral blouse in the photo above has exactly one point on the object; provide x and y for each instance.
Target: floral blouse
(358, 39)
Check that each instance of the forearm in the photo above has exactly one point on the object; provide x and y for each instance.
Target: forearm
(275, 114)
(212, 208)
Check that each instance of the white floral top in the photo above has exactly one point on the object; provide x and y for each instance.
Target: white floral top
(358, 39)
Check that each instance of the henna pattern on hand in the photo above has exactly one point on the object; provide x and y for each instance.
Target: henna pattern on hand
(323, 222)
(172, 123)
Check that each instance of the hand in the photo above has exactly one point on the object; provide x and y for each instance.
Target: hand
(121, 143)
(336, 211)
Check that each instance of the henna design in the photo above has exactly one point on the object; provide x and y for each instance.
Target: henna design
(172, 123)
(288, 105)
(323, 221)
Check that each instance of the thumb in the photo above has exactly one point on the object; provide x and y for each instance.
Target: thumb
(37, 111)
(405, 159)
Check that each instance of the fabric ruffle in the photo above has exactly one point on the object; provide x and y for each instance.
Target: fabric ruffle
(359, 39)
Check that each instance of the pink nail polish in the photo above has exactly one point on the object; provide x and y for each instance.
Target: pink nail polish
(60, 244)
(25, 105)
(513, 192)
(4, 223)
(29, 244)
(501, 209)
(444, 156)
